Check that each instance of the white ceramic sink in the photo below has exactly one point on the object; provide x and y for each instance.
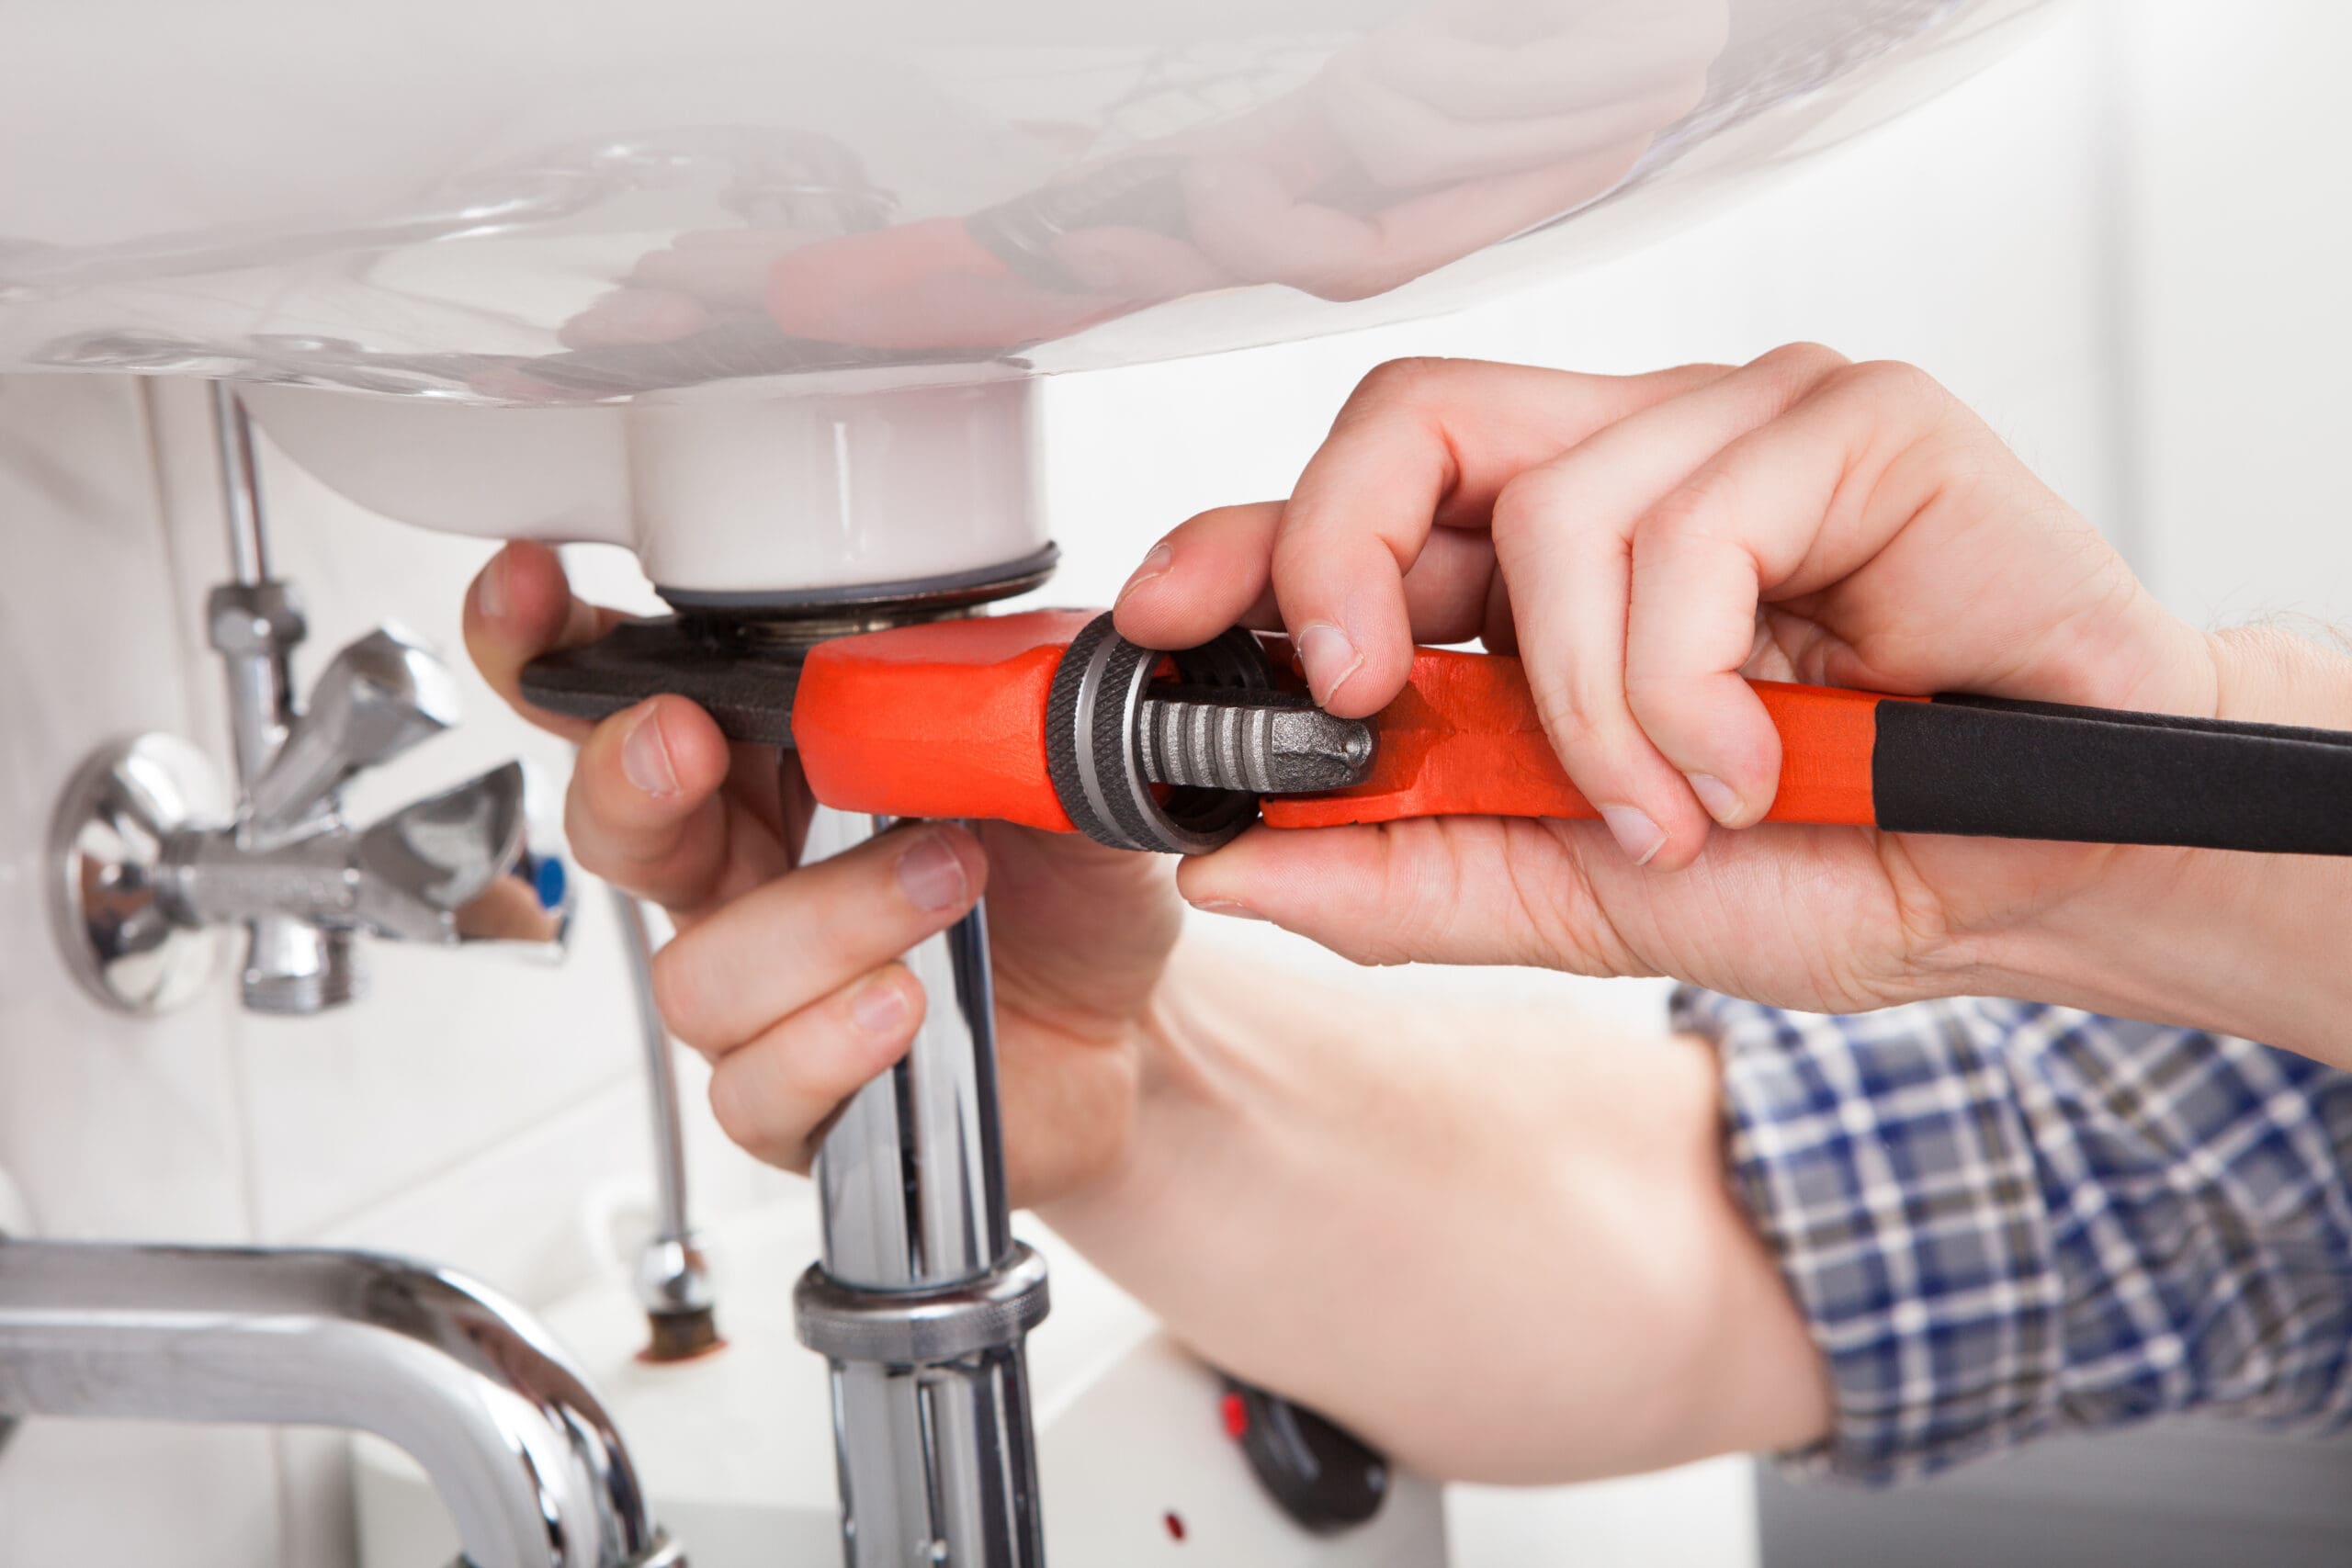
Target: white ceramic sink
(757, 287)
(423, 198)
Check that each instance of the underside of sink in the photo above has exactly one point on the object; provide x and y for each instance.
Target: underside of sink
(538, 205)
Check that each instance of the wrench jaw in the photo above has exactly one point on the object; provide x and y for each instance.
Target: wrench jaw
(1047, 718)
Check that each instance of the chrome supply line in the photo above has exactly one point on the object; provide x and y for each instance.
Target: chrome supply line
(673, 1279)
(255, 622)
(513, 1439)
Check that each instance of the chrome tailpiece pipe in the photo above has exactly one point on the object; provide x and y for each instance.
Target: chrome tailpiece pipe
(922, 1299)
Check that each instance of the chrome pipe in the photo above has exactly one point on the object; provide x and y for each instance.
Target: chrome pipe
(661, 1072)
(910, 1179)
(232, 434)
(255, 624)
(936, 1451)
(672, 1275)
(520, 1450)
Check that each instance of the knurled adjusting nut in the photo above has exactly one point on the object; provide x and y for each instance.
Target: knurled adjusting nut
(921, 1328)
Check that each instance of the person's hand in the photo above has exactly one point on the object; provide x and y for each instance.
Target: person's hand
(1643, 543)
(1282, 1172)
(788, 979)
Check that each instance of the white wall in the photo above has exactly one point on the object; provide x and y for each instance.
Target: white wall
(462, 1111)
(2237, 214)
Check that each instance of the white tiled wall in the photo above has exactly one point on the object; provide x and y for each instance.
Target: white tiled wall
(463, 1111)
(110, 1129)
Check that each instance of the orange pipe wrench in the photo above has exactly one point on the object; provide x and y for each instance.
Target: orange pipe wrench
(1050, 720)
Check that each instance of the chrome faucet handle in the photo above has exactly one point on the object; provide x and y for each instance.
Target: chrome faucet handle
(378, 697)
(454, 867)
(460, 867)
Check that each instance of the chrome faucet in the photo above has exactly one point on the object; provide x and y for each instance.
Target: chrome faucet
(375, 699)
(531, 1469)
(154, 858)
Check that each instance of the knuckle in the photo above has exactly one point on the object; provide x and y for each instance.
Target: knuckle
(1891, 383)
(1791, 368)
(1398, 383)
(737, 1111)
(1519, 505)
(1694, 512)
(1535, 503)
(1803, 358)
(680, 993)
(591, 845)
(1577, 708)
(1651, 695)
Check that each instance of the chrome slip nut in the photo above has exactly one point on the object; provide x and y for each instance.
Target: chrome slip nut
(917, 1328)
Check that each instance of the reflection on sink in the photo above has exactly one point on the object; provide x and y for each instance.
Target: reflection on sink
(497, 211)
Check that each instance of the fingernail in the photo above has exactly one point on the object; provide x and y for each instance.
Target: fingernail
(1327, 658)
(879, 1006)
(490, 589)
(932, 874)
(645, 757)
(1153, 565)
(1640, 838)
(1720, 800)
(1228, 909)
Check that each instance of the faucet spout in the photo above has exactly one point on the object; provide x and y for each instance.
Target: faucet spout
(530, 1466)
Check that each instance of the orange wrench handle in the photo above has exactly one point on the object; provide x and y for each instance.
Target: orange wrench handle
(1464, 739)
(947, 719)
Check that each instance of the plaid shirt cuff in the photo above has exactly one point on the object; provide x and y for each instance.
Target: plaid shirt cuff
(2002, 1219)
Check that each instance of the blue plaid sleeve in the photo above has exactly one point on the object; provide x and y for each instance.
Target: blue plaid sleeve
(2003, 1220)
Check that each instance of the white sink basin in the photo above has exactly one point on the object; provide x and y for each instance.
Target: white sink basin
(425, 198)
(757, 289)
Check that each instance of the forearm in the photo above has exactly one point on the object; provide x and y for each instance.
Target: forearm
(2258, 946)
(1495, 1248)
(2007, 1220)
